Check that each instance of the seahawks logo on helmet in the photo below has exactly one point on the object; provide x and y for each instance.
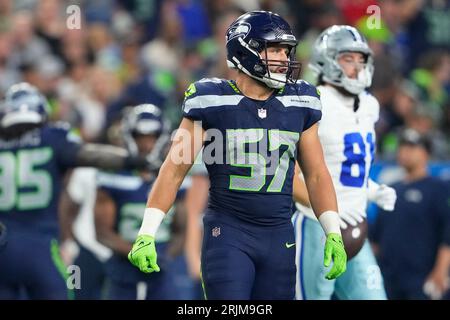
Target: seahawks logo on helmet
(242, 29)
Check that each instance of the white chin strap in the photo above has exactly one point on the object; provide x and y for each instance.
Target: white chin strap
(276, 81)
(356, 86)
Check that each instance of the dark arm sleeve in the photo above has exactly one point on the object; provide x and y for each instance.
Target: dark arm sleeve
(108, 157)
(71, 152)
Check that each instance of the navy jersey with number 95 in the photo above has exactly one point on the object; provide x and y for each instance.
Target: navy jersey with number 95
(31, 171)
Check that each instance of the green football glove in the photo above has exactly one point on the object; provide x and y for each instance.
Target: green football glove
(143, 254)
(334, 248)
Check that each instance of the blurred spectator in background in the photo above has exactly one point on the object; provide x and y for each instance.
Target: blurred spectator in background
(49, 23)
(428, 28)
(146, 15)
(28, 47)
(412, 243)
(6, 9)
(432, 77)
(9, 74)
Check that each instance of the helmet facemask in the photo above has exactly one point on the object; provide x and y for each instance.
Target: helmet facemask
(363, 79)
(277, 80)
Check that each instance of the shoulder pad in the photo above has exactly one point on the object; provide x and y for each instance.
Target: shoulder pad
(64, 128)
(205, 86)
(304, 88)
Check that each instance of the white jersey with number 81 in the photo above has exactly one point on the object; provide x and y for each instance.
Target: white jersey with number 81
(348, 142)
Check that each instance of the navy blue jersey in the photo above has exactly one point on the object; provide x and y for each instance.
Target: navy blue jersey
(129, 193)
(252, 145)
(410, 236)
(31, 170)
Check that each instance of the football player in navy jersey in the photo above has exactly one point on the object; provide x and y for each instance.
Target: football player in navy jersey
(253, 129)
(119, 209)
(34, 156)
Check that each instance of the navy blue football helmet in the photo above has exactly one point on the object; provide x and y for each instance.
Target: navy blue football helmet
(250, 35)
(145, 119)
(24, 105)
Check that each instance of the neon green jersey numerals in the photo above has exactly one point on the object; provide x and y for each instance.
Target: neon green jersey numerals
(260, 164)
(20, 172)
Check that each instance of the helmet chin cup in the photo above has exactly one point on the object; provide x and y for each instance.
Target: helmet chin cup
(356, 86)
(353, 86)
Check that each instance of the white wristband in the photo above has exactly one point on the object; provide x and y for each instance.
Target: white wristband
(152, 219)
(330, 222)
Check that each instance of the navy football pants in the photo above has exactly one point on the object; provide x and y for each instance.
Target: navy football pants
(243, 261)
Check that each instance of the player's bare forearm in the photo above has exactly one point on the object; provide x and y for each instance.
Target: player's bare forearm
(196, 199)
(443, 259)
(68, 211)
(104, 216)
(321, 192)
(300, 192)
(185, 147)
(322, 195)
(166, 186)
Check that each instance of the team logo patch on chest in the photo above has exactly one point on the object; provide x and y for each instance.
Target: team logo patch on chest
(262, 113)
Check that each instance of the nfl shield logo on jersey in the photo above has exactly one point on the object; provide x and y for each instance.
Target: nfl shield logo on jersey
(216, 232)
(262, 113)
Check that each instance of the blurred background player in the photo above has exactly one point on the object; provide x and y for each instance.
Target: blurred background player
(33, 160)
(343, 62)
(79, 245)
(412, 243)
(119, 210)
(248, 244)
